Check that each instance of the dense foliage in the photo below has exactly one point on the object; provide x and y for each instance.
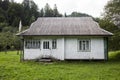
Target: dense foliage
(78, 14)
(13, 12)
(112, 12)
(114, 41)
(111, 22)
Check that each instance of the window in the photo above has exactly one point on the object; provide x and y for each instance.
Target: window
(46, 45)
(54, 44)
(32, 44)
(84, 45)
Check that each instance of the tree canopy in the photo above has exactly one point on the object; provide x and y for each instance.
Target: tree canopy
(12, 13)
(111, 22)
(112, 11)
(78, 14)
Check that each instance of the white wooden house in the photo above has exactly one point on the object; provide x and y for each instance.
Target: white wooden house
(65, 38)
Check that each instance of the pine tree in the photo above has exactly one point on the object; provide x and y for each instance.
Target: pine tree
(48, 11)
(55, 11)
(42, 13)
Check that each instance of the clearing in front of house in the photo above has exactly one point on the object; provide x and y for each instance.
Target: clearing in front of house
(12, 69)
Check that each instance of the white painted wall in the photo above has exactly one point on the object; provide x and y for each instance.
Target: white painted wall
(67, 48)
(59, 52)
(36, 53)
(97, 49)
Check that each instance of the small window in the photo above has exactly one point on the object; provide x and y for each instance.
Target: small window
(32, 44)
(84, 45)
(54, 44)
(46, 45)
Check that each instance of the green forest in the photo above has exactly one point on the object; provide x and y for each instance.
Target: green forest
(11, 13)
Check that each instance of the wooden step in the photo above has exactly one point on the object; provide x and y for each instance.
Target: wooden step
(45, 60)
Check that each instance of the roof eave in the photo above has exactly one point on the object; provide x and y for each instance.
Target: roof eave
(68, 35)
(21, 33)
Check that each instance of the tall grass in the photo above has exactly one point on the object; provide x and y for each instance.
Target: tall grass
(12, 69)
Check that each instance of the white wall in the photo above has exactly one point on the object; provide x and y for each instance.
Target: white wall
(59, 52)
(32, 53)
(97, 49)
(36, 53)
(67, 48)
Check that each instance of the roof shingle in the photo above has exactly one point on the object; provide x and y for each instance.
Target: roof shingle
(65, 26)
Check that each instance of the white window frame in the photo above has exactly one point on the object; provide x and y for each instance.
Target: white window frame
(84, 45)
(32, 44)
(54, 44)
(46, 44)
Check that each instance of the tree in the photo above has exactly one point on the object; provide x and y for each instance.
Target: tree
(26, 12)
(112, 11)
(32, 19)
(29, 9)
(2, 26)
(48, 12)
(26, 4)
(78, 14)
(2, 15)
(16, 43)
(114, 41)
(65, 15)
(5, 4)
(42, 13)
(55, 12)
(14, 14)
(34, 10)
(6, 40)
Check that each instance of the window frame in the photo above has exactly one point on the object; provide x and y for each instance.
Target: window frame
(54, 44)
(32, 44)
(46, 44)
(89, 44)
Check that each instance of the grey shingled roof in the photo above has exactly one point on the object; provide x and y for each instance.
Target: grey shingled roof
(65, 26)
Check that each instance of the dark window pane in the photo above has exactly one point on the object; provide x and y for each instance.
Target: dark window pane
(87, 45)
(54, 44)
(80, 45)
(84, 45)
(46, 45)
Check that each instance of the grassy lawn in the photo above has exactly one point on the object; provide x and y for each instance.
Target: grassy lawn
(12, 69)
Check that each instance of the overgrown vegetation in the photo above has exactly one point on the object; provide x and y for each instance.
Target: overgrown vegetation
(114, 41)
(12, 69)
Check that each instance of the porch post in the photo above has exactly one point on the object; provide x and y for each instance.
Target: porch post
(22, 50)
(106, 47)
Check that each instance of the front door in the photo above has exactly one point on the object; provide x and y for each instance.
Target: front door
(46, 46)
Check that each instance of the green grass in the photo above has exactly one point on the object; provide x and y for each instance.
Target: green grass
(12, 69)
